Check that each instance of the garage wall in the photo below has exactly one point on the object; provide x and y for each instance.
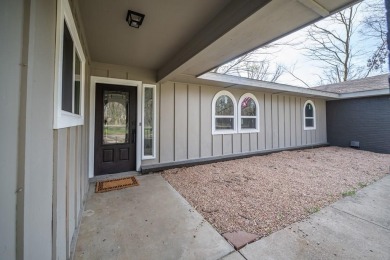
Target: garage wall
(366, 120)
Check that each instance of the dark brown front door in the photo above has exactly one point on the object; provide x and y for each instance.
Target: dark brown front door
(115, 128)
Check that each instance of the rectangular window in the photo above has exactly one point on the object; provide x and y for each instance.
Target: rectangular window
(77, 76)
(309, 122)
(248, 123)
(67, 71)
(224, 123)
(149, 121)
(70, 70)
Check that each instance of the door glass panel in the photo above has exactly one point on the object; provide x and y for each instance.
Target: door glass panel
(148, 122)
(115, 121)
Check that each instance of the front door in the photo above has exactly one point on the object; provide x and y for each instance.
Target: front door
(115, 128)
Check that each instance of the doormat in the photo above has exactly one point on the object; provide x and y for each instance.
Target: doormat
(116, 184)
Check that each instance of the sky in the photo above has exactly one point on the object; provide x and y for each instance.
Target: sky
(294, 58)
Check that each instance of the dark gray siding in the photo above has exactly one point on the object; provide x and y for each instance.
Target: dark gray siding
(366, 120)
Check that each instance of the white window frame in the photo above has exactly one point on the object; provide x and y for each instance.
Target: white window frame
(63, 119)
(305, 117)
(225, 131)
(153, 156)
(248, 130)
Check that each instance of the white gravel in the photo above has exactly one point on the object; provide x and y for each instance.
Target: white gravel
(263, 194)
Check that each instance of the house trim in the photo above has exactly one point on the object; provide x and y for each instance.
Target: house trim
(123, 82)
(367, 93)
(63, 119)
(237, 82)
(187, 163)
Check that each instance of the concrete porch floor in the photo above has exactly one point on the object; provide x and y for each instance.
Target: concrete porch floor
(149, 221)
(153, 221)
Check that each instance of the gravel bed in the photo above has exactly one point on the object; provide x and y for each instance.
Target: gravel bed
(263, 194)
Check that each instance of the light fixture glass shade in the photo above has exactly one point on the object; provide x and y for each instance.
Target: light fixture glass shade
(134, 19)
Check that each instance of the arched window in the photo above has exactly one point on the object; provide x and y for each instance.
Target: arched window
(248, 114)
(309, 116)
(224, 109)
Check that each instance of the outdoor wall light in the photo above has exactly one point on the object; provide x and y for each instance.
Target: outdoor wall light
(134, 19)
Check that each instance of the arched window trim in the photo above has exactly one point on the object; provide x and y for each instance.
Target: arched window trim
(252, 130)
(304, 116)
(230, 131)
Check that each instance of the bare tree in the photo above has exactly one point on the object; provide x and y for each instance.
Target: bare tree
(375, 27)
(334, 48)
(255, 65)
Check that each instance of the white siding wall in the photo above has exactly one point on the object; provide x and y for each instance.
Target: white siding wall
(185, 113)
(70, 187)
(184, 120)
(44, 171)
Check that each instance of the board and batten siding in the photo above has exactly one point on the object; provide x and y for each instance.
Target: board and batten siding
(183, 120)
(70, 187)
(185, 124)
(45, 170)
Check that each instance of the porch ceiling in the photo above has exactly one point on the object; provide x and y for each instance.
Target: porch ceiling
(167, 27)
(185, 38)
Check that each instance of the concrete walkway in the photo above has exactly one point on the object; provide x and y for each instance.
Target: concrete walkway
(356, 227)
(152, 221)
(149, 221)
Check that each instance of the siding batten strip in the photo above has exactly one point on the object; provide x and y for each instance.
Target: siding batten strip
(222, 144)
(187, 122)
(174, 121)
(232, 144)
(200, 121)
(264, 127)
(67, 192)
(159, 126)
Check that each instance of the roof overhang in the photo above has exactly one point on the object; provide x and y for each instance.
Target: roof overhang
(188, 38)
(258, 85)
(269, 23)
(368, 93)
(228, 81)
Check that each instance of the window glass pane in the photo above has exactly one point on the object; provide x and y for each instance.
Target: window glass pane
(224, 123)
(115, 121)
(77, 85)
(248, 107)
(309, 122)
(148, 122)
(309, 110)
(224, 106)
(248, 123)
(67, 71)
